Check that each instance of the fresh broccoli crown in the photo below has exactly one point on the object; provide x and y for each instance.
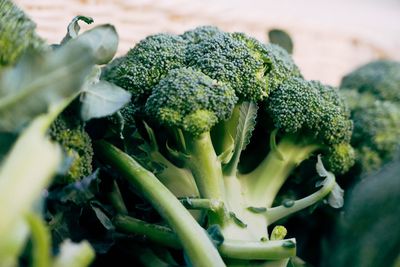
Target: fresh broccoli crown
(380, 78)
(376, 126)
(228, 59)
(77, 145)
(281, 66)
(146, 64)
(200, 33)
(310, 107)
(340, 158)
(17, 33)
(188, 99)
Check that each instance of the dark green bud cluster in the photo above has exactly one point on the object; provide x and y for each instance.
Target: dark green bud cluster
(77, 145)
(188, 99)
(380, 78)
(308, 106)
(17, 33)
(233, 62)
(373, 93)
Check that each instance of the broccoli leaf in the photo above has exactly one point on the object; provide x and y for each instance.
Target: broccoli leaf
(39, 80)
(103, 41)
(282, 39)
(101, 98)
(74, 28)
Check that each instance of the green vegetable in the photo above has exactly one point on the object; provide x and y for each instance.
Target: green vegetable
(71, 135)
(372, 94)
(17, 33)
(195, 100)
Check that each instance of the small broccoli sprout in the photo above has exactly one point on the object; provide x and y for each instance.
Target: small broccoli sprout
(190, 100)
(76, 144)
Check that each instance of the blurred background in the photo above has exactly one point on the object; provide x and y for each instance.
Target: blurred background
(330, 37)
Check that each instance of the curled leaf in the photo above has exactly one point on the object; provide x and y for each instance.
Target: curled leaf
(74, 28)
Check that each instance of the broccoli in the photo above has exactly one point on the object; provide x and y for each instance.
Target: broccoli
(380, 78)
(201, 92)
(70, 134)
(17, 33)
(372, 95)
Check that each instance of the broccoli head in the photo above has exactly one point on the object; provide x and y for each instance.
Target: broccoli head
(200, 94)
(372, 92)
(380, 78)
(77, 145)
(376, 135)
(17, 33)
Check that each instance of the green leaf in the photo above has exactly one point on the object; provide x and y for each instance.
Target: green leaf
(39, 80)
(101, 98)
(281, 38)
(246, 124)
(74, 28)
(227, 155)
(102, 40)
(103, 218)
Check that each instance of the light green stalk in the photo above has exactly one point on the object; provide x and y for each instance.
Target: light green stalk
(267, 179)
(235, 249)
(195, 241)
(205, 166)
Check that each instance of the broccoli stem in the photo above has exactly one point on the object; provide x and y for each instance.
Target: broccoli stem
(266, 180)
(258, 250)
(195, 241)
(205, 166)
(155, 233)
(116, 199)
(235, 249)
(41, 241)
(276, 213)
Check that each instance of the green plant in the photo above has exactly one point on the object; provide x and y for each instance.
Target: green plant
(195, 99)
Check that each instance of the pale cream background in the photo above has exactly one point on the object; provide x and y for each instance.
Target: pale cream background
(331, 37)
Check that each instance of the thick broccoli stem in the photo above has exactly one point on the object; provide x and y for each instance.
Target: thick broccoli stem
(266, 180)
(205, 166)
(195, 241)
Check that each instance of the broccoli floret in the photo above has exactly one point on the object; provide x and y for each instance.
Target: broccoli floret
(191, 101)
(17, 33)
(200, 33)
(308, 117)
(372, 92)
(376, 135)
(380, 78)
(77, 145)
(282, 66)
(146, 64)
(229, 59)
